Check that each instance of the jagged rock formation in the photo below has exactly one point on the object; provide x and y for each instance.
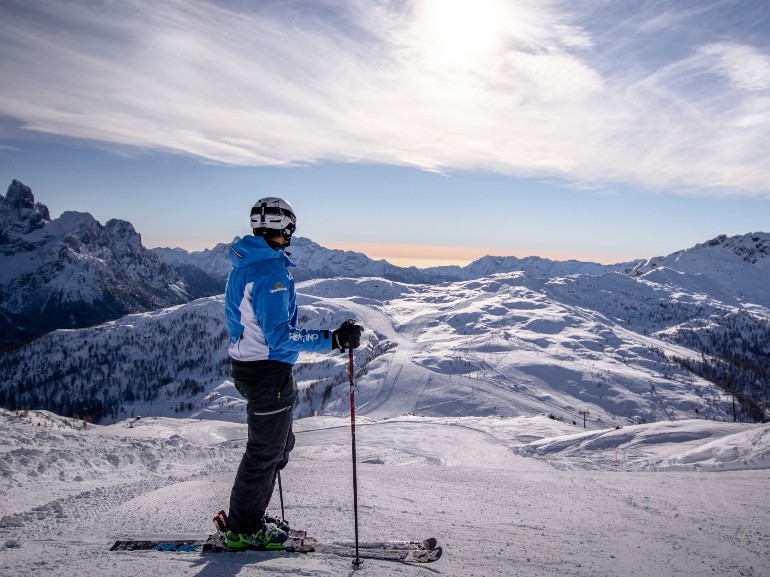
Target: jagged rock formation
(72, 271)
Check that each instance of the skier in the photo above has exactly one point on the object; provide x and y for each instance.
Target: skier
(261, 311)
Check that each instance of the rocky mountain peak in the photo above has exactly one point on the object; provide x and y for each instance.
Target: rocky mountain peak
(19, 195)
(123, 234)
(19, 213)
(752, 247)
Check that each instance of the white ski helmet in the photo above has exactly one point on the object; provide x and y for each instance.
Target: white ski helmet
(272, 215)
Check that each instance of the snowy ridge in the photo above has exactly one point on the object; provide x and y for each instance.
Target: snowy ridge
(314, 261)
(213, 261)
(731, 269)
(736, 267)
(533, 265)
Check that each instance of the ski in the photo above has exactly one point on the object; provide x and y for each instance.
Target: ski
(164, 545)
(415, 555)
(213, 542)
(410, 551)
(430, 543)
(401, 551)
(422, 551)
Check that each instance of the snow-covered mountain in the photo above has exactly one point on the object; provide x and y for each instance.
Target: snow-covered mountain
(732, 269)
(635, 342)
(207, 270)
(314, 261)
(533, 265)
(204, 271)
(73, 271)
(621, 348)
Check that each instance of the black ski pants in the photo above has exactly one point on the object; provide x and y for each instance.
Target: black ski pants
(270, 400)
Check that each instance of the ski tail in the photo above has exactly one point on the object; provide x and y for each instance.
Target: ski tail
(219, 524)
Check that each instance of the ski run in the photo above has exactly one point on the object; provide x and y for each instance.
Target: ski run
(526, 496)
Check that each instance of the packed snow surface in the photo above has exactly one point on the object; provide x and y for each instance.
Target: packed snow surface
(524, 496)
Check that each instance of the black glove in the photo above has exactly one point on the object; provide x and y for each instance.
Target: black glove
(348, 336)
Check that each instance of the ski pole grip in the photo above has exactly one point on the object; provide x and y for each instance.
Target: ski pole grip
(344, 346)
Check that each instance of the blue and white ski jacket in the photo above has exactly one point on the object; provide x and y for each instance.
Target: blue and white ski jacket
(261, 307)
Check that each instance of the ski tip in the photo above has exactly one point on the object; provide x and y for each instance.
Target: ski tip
(425, 555)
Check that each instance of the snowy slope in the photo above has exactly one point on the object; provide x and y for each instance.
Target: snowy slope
(681, 445)
(508, 345)
(505, 496)
(513, 345)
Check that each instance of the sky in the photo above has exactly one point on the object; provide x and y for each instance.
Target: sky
(424, 132)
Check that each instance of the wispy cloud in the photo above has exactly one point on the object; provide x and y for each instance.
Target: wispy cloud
(522, 88)
(745, 66)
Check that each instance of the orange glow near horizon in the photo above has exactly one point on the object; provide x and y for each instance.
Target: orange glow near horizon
(424, 256)
(417, 255)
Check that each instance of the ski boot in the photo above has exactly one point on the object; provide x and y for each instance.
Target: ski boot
(269, 537)
(274, 535)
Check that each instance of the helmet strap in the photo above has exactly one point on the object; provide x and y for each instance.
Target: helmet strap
(268, 234)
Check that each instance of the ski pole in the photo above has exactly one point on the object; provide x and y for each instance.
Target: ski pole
(357, 560)
(280, 494)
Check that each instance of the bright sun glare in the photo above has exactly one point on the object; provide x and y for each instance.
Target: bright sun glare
(460, 33)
